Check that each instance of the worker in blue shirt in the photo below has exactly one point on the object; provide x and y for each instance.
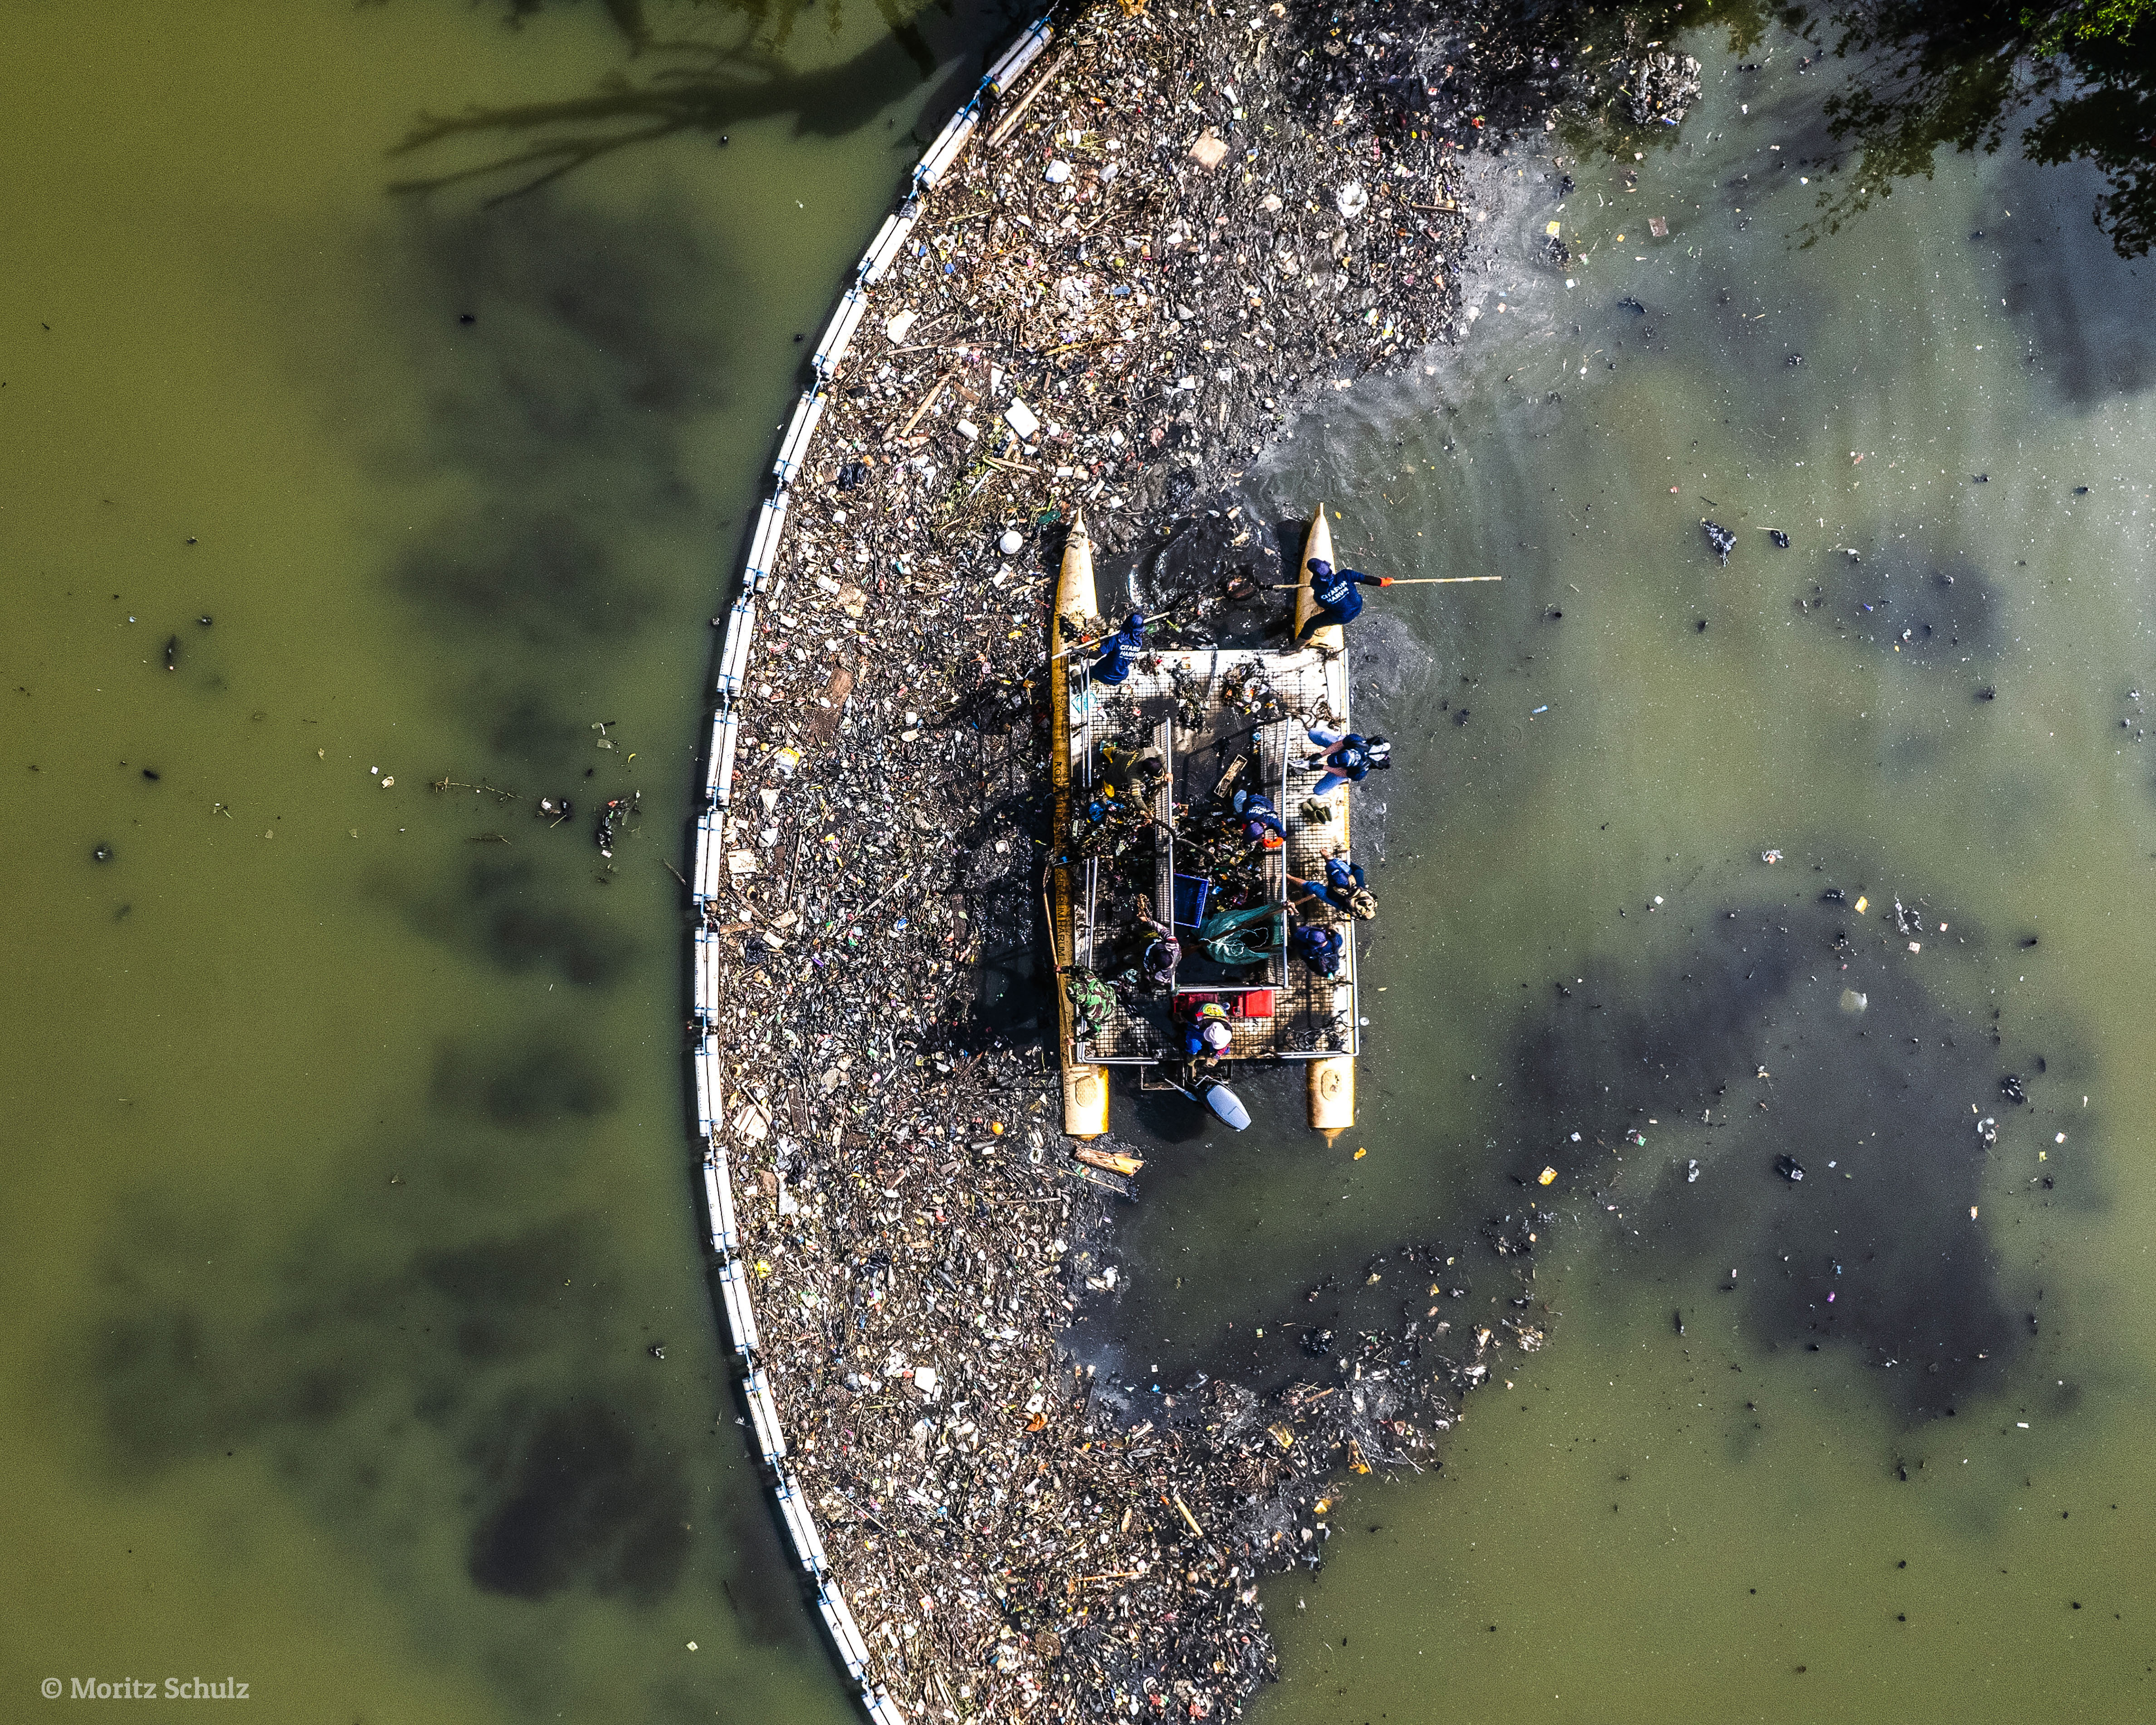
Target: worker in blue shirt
(1342, 886)
(1318, 946)
(1207, 1032)
(1334, 591)
(1346, 758)
(1114, 665)
(1258, 820)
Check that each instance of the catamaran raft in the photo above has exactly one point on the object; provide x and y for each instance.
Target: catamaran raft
(1144, 772)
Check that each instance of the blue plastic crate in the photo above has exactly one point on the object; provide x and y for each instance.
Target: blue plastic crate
(1191, 893)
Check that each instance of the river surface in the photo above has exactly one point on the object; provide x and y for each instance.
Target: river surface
(347, 1121)
(1865, 1447)
(345, 1117)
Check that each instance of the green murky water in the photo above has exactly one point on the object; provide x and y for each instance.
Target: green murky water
(348, 1189)
(347, 1121)
(1936, 1514)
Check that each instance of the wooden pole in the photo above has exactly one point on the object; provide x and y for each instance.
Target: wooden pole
(1151, 617)
(1403, 581)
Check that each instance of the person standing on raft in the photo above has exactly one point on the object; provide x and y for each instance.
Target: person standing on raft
(1333, 591)
(1113, 667)
(1206, 1034)
(1345, 757)
(1160, 955)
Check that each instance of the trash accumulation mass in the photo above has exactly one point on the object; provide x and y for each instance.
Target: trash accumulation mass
(1173, 230)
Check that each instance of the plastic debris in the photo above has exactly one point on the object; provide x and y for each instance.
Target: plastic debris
(1017, 1537)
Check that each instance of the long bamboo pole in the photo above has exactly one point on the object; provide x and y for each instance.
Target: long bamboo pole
(1404, 581)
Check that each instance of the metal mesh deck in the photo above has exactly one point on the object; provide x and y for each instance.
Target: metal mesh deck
(1311, 1015)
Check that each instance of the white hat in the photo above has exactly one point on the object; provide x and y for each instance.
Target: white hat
(1216, 1034)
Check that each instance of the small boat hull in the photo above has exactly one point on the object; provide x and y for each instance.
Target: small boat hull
(1317, 543)
(1332, 1093)
(1331, 1081)
(1084, 1087)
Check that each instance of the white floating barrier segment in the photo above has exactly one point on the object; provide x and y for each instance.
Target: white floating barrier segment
(706, 986)
(707, 1121)
(741, 1314)
(1022, 53)
(839, 333)
(801, 1523)
(711, 857)
(733, 656)
(948, 143)
(882, 1709)
(719, 1206)
(856, 1666)
(839, 1619)
(763, 547)
(889, 239)
(725, 736)
(763, 1415)
(800, 431)
(714, 754)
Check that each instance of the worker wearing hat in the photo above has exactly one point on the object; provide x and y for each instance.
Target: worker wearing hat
(1344, 757)
(1206, 1034)
(1344, 887)
(1258, 820)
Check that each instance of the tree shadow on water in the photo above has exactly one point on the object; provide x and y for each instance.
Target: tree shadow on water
(566, 359)
(708, 89)
(2069, 80)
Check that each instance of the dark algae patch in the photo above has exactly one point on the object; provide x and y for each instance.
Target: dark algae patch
(1745, 1058)
(576, 1499)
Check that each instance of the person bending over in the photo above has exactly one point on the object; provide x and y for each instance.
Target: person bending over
(1334, 591)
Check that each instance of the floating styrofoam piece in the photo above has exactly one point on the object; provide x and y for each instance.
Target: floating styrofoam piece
(740, 1315)
(733, 656)
(839, 333)
(793, 447)
(763, 1415)
(890, 237)
(1022, 53)
(845, 1633)
(948, 143)
(719, 1206)
(801, 1525)
(763, 547)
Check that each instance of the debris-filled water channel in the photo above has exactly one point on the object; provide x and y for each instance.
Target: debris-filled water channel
(1750, 1096)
